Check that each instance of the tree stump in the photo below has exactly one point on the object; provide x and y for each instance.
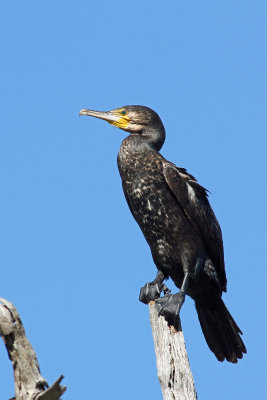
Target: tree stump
(174, 371)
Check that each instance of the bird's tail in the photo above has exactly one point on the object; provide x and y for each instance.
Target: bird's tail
(221, 331)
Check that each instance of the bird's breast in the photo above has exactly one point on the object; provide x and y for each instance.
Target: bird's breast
(151, 202)
(155, 208)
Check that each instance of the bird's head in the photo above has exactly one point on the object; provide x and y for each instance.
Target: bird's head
(133, 119)
(137, 120)
(140, 121)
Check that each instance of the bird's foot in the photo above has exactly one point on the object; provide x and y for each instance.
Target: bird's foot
(169, 307)
(151, 291)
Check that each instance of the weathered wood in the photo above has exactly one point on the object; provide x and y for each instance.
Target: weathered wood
(174, 372)
(29, 383)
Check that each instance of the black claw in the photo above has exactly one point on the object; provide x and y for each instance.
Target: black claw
(149, 292)
(165, 289)
(163, 302)
(169, 307)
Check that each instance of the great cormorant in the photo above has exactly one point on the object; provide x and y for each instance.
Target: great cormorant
(174, 214)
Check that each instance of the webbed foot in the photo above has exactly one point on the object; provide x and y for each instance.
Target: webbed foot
(169, 307)
(151, 291)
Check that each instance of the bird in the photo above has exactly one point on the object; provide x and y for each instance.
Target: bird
(174, 214)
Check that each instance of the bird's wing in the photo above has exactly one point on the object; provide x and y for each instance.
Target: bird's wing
(193, 199)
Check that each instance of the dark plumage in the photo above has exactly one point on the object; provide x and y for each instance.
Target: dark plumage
(184, 236)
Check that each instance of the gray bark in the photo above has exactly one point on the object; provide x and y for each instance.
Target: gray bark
(29, 383)
(174, 372)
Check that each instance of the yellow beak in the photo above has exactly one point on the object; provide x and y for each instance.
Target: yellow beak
(113, 117)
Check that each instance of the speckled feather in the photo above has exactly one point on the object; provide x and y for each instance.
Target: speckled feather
(172, 234)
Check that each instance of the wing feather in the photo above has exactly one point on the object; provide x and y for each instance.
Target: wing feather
(193, 198)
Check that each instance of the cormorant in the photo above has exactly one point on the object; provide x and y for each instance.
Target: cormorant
(174, 214)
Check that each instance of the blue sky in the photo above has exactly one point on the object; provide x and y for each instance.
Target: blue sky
(72, 257)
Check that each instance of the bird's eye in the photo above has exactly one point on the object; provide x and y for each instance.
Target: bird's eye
(123, 112)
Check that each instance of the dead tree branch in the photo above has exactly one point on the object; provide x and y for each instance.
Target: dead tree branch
(29, 383)
(174, 372)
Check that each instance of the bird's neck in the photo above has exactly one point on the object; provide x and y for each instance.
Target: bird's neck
(151, 138)
(154, 136)
(137, 148)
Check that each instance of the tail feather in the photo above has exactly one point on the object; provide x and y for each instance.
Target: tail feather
(221, 331)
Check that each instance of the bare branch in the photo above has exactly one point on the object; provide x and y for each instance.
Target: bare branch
(29, 383)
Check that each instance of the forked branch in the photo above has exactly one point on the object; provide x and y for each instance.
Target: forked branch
(29, 383)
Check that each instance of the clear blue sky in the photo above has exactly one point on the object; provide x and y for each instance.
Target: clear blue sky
(72, 257)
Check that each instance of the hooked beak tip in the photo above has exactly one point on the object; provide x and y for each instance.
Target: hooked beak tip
(82, 112)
